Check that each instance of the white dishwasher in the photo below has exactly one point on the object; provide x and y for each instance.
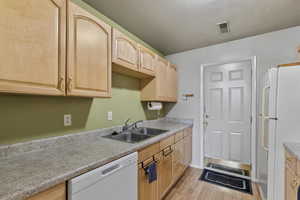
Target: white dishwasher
(113, 181)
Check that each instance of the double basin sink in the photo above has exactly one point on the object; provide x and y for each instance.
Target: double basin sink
(135, 135)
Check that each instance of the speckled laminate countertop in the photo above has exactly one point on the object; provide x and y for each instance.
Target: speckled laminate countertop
(29, 168)
(293, 148)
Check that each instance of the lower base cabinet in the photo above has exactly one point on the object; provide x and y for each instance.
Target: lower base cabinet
(292, 177)
(172, 157)
(291, 185)
(56, 193)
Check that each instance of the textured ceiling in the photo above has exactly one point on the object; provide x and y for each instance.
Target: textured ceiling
(173, 26)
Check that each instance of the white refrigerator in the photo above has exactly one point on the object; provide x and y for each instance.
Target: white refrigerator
(280, 123)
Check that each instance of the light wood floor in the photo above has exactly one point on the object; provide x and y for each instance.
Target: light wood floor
(190, 188)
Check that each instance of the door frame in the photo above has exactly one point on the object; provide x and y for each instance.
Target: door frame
(253, 110)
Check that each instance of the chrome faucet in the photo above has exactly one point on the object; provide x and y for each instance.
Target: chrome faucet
(128, 126)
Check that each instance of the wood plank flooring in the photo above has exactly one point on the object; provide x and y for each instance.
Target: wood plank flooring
(190, 188)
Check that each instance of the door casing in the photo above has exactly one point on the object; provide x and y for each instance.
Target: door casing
(253, 110)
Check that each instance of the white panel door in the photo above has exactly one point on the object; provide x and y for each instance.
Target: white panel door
(227, 107)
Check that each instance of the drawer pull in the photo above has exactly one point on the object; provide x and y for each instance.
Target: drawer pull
(167, 153)
(111, 169)
(61, 83)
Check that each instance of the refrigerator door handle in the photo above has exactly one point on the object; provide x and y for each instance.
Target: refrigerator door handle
(264, 118)
(271, 118)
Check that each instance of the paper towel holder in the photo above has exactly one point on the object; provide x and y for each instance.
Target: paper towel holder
(156, 106)
(187, 96)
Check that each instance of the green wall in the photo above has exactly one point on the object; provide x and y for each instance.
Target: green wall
(25, 118)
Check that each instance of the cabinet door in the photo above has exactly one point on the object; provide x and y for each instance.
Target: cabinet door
(125, 51)
(165, 172)
(178, 160)
(89, 66)
(291, 185)
(147, 61)
(32, 50)
(56, 193)
(173, 83)
(162, 80)
(147, 191)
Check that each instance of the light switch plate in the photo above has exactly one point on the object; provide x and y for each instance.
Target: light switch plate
(67, 120)
(109, 115)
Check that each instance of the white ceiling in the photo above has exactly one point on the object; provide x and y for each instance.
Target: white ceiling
(173, 26)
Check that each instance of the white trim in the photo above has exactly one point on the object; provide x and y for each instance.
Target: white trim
(196, 166)
(253, 111)
(261, 193)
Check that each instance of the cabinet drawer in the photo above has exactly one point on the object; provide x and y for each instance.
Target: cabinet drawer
(187, 132)
(291, 161)
(167, 142)
(179, 136)
(148, 152)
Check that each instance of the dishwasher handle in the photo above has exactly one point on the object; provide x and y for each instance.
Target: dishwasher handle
(111, 169)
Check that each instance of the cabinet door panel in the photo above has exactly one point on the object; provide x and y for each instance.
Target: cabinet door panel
(165, 172)
(147, 61)
(147, 191)
(291, 185)
(173, 83)
(32, 51)
(89, 69)
(125, 51)
(161, 75)
(178, 160)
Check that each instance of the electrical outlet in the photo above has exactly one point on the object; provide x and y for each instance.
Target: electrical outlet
(109, 115)
(68, 120)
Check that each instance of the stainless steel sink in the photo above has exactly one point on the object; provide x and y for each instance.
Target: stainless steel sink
(135, 135)
(149, 131)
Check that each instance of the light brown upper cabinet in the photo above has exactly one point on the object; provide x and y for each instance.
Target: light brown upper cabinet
(89, 55)
(131, 58)
(147, 61)
(164, 86)
(32, 50)
(162, 78)
(125, 51)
